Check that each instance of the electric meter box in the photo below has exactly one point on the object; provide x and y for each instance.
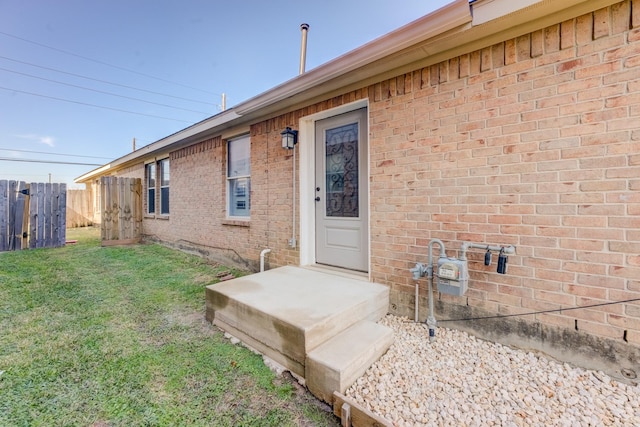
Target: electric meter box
(453, 276)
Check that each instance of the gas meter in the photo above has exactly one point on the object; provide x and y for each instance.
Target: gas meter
(453, 276)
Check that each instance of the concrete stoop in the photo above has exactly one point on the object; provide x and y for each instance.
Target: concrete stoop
(339, 362)
(318, 325)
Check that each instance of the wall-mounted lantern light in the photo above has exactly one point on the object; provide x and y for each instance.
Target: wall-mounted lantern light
(289, 138)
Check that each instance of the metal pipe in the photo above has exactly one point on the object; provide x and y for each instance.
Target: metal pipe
(303, 59)
(415, 315)
(303, 47)
(292, 241)
(262, 254)
(509, 250)
(431, 320)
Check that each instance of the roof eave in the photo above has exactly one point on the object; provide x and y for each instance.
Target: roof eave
(185, 136)
(423, 41)
(339, 72)
(448, 17)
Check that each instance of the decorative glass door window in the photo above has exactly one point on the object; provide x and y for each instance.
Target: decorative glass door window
(341, 176)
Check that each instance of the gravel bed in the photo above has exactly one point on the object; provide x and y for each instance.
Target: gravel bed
(465, 381)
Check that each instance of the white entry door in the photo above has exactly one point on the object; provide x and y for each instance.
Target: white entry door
(342, 190)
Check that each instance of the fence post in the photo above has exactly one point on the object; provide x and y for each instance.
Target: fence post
(62, 215)
(4, 215)
(21, 206)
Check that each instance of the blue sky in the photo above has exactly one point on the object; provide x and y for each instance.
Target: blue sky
(79, 79)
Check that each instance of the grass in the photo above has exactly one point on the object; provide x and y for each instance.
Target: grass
(116, 336)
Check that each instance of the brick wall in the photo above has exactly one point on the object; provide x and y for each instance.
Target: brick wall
(534, 142)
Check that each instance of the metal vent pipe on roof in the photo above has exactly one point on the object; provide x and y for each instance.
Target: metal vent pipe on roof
(303, 47)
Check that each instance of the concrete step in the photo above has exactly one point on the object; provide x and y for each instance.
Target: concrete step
(287, 312)
(336, 364)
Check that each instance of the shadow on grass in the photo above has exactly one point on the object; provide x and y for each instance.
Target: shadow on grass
(116, 336)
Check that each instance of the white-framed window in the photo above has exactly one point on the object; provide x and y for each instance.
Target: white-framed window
(163, 166)
(151, 178)
(157, 182)
(239, 176)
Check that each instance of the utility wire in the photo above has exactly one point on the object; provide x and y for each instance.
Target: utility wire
(107, 64)
(556, 310)
(10, 159)
(102, 81)
(102, 91)
(54, 154)
(94, 105)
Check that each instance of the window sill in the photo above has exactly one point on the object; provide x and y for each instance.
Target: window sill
(237, 222)
(155, 216)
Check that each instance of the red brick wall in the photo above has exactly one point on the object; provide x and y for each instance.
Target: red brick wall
(533, 142)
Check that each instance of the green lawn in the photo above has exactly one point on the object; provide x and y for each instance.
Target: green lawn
(116, 336)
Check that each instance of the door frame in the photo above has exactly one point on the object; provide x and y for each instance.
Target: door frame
(306, 146)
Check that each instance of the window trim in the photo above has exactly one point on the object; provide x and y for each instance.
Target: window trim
(161, 170)
(148, 189)
(156, 168)
(230, 179)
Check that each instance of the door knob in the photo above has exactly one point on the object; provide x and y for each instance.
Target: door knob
(318, 199)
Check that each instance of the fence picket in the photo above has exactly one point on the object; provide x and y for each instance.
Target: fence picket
(47, 215)
(21, 204)
(122, 201)
(4, 215)
(13, 186)
(24, 244)
(55, 230)
(62, 215)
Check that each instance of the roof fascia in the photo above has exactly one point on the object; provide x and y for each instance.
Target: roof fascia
(208, 127)
(523, 21)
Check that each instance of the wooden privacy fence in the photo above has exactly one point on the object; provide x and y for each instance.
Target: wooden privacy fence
(32, 215)
(121, 202)
(80, 211)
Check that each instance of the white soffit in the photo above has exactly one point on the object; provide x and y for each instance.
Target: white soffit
(488, 10)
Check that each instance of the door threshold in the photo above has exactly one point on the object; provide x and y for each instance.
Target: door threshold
(338, 271)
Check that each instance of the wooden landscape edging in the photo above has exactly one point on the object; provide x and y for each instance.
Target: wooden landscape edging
(353, 414)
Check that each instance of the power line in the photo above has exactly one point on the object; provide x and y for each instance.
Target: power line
(102, 91)
(9, 159)
(93, 105)
(102, 81)
(54, 154)
(107, 64)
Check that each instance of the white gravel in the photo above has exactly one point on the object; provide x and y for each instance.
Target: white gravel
(465, 381)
